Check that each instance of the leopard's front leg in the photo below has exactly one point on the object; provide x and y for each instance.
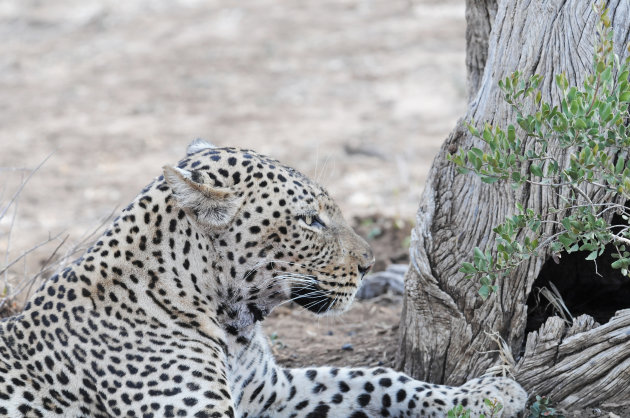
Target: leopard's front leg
(382, 392)
(263, 389)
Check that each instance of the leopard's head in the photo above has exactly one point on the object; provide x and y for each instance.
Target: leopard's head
(278, 232)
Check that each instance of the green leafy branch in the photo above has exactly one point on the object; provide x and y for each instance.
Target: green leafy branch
(590, 123)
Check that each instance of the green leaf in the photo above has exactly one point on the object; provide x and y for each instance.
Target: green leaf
(489, 180)
(477, 152)
(592, 255)
(484, 291)
(600, 66)
(620, 165)
(516, 177)
(478, 254)
(566, 222)
(566, 241)
(535, 224)
(561, 81)
(487, 134)
(605, 113)
(511, 133)
(607, 74)
(522, 122)
(468, 268)
(536, 170)
(474, 160)
(580, 123)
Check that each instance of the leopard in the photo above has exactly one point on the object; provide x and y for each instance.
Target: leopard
(161, 316)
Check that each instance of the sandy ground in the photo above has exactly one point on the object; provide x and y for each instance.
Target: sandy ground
(358, 94)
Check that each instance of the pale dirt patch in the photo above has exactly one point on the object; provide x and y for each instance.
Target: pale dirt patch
(357, 94)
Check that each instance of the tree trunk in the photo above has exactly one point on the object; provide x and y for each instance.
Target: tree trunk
(479, 19)
(446, 329)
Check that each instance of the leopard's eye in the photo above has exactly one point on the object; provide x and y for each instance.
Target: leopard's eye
(312, 220)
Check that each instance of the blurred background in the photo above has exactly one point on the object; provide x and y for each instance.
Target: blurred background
(358, 94)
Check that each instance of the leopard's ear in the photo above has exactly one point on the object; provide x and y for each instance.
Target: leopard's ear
(197, 145)
(209, 205)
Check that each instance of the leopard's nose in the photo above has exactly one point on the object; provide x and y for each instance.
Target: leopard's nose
(367, 263)
(363, 270)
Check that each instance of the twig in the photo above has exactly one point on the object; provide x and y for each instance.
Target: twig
(8, 297)
(19, 190)
(41, 271)
(594, 94)
(30, 250)
(505, 354)
(8, 250)
(617, 238)
(76, 248)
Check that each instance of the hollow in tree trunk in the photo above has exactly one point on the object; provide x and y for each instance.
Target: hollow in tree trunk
(446, 329)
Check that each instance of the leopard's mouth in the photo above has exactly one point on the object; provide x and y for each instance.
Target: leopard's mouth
(321, 301)
(313, 298)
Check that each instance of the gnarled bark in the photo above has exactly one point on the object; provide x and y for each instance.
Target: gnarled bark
(479, 19)
(445, 326)
(585, 364)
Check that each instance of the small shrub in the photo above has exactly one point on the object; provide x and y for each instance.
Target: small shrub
(458, 412)
(591, 123)
(494, 407)
(542, 407)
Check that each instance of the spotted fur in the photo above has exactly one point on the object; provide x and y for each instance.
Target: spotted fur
(160, 317)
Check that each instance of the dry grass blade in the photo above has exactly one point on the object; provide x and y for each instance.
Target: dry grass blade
(54, 261)
(506, 368)
(22, 185)
(555, 299)
(12, 202)
(27, 252)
